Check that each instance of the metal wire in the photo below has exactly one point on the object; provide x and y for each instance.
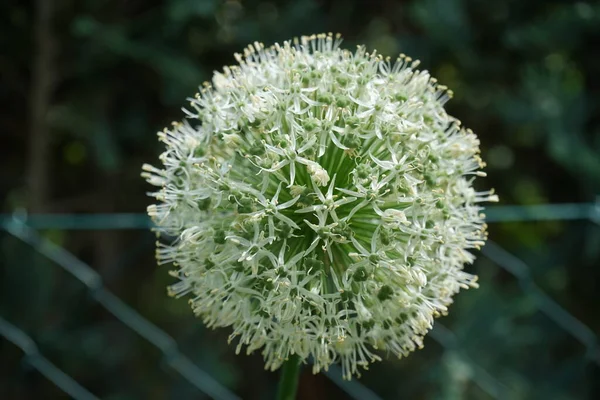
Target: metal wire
(542, 212)
(552, 309)
(34, 358)
(448, 340)
(354, 389)
(538, 212)
(115, 221)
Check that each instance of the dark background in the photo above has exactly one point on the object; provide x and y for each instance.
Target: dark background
(85, 84)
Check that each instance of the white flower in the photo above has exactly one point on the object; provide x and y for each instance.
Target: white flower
(394, 219)
(318, 174)
(297, 262)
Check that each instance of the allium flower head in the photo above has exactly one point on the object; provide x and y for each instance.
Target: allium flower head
(321, 201)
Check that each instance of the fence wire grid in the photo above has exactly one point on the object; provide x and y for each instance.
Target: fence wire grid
(25, 228)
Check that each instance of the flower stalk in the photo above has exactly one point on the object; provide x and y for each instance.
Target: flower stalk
(288, 383)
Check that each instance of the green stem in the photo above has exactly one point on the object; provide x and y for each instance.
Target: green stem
(288, 383)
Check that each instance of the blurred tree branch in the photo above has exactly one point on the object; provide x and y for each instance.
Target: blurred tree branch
(42, 84)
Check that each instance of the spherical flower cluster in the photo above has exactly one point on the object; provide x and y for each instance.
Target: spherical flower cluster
(321, 203)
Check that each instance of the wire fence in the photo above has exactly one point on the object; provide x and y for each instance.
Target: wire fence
(24, 228)
(128, 316)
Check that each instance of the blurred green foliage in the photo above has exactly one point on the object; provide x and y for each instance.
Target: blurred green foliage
(526, 77)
